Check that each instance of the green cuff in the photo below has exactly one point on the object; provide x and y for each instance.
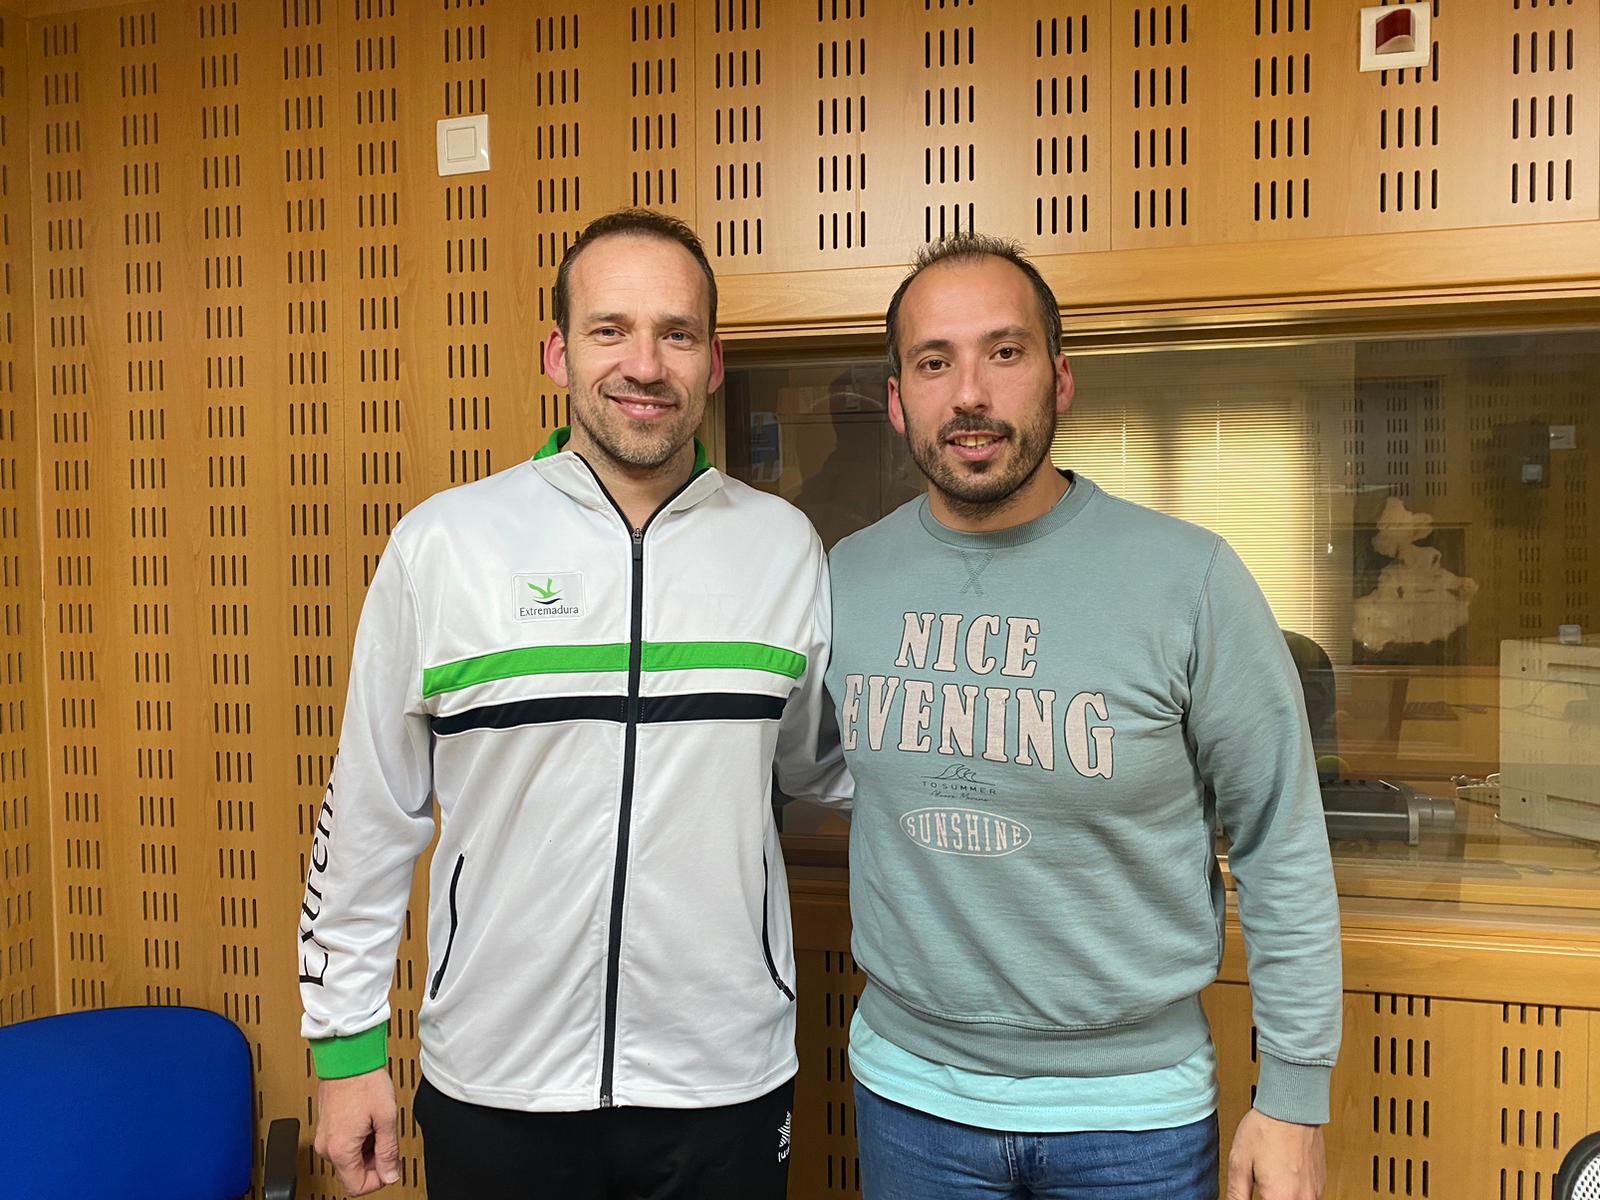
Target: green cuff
(342, 1057)
(1295, 1092)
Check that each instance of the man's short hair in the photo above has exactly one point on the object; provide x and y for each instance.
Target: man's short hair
(968, 247)
(632, 222)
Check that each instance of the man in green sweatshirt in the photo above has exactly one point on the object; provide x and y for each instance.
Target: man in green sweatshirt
(1049, 698)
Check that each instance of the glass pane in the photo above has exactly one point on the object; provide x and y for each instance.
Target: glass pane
(1420, 515)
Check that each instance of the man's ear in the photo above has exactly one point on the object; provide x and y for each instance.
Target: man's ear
(897, 413)
(715, 381)
(555, 357)
(1066, 386)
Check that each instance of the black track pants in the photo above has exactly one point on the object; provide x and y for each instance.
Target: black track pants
(738, 1152)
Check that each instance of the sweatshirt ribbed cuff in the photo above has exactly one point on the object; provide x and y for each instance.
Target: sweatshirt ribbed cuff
(1293, 1091)
(342, 1057)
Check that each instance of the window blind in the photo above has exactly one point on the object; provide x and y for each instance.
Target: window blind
(1239, 448)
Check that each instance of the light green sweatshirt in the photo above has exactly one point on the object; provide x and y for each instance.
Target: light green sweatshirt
(1044, 725)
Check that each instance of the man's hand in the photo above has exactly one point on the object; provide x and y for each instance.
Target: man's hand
(1276, 1160)
(357, 1130)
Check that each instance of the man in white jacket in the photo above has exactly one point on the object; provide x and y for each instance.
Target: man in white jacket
(589, 666)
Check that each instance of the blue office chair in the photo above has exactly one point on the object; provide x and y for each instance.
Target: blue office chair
(1579, 1177)
(134, 1103)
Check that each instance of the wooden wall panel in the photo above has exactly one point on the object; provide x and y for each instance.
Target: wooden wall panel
(828, 983)
(475, 341)
(877, 123)
(823, 80)
(75, 467)
(303, 166)
(385, 254)
(136, 387)
(563, 164)
(1499, 129)
(270, 329)
(881, 126)
(1168, 83)
(27, 933)
(1525, 152)
(736, 51)
(1417, 151)
(944, 108)
(1227, 1007)
(1070, 119)
(659, 114)
(1275, 61)
(851, 146)
(184, 717)
(377, 244)
(912, 126)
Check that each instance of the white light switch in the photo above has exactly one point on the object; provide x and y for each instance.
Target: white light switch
(463, 144)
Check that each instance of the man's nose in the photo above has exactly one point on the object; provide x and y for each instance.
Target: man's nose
(971, 393)
(643, 362)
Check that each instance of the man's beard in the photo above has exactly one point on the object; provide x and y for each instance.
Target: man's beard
(647, 448)
(977, 490)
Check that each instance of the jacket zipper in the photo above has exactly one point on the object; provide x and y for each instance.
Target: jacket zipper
(619, 874)
(766, 944)
(438, 976)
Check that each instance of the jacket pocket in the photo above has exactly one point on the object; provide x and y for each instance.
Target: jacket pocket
(766, 942)
(455, 921)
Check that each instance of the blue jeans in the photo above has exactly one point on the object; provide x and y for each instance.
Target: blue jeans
(910, 1155)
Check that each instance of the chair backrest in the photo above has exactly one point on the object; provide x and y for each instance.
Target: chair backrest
(1321, 691)
(1579, 1177)
(131, 1103)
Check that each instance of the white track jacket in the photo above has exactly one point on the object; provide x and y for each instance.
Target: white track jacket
(595, 713)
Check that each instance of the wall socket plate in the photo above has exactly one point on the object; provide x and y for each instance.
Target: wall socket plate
(463, 145)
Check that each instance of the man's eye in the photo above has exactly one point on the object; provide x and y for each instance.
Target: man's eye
(1007, 353)
(933, 364)
(679, 336)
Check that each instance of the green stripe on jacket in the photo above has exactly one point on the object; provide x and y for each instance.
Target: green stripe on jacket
(611, 657)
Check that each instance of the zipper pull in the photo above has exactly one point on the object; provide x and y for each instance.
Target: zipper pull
(638, 544)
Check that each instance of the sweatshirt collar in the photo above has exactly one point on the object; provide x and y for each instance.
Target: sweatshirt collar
(1080, 491)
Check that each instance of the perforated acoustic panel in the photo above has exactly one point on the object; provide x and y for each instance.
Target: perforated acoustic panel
(1071, 146)
(1165, 86)
(837, 91)
(1116, 125)
(1281, 99)
(383, 405)
(269, 329)
(68, 499)
(311, 164)
(660, 106)
(560, 167)
(27, 938)
(741, 90)
(846, 132)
